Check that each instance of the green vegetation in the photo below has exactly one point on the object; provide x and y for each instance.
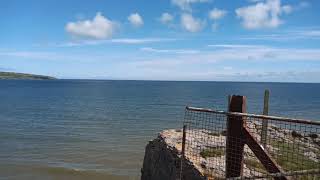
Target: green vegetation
(291, 158)
(222, 133)
(13, 75)
(254, 164)
(214, 134)
(212, 152)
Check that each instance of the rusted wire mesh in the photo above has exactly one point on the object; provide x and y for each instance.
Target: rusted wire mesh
(292, 145)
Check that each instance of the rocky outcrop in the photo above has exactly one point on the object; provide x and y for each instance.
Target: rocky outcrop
(162, 161)
(205, 153)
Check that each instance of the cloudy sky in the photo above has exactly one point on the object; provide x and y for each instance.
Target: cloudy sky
(246, 40)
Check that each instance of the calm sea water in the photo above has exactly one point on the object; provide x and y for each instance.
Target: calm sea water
(88, 129)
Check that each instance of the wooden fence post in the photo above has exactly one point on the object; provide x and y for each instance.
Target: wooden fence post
(229, 99)
(264, 131)
(184, 131)
(235, 141)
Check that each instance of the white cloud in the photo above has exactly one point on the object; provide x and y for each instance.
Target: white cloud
(191, 24)
(118, 41)
(290, 8)
(287, 9)
(205, 65)
(235, 46)
(214, 64)
(6, 69)
(244, 54)
(41, 55)
(141, 41)
(237, 53)
(173, 51)
(135, 19)
(265, 53)
(303, 4)
(166, 18)
(227, 52)
(81, 43)
(255, 0)
(186, 4)
(214, 26)
(273, 76)
(262, 14)
(216, 14)
(99, 27)
(38, 55)
(227, 68)
(313, 34)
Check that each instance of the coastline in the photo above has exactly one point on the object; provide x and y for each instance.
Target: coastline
(23, 76)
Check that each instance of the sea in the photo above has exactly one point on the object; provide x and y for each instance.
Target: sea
(98, 129)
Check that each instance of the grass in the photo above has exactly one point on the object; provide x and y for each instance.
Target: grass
(214, 134)
(212, 152)
(222, 133)
(291, 158)
(254, 164)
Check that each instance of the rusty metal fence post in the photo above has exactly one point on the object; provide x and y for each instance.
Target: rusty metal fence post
(235, 143)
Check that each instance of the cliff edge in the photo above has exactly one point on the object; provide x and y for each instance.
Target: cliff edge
(162, 159)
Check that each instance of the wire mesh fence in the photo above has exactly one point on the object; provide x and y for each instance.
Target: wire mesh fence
(220, 150)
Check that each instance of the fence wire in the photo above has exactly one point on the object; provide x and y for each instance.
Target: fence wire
(292, 145)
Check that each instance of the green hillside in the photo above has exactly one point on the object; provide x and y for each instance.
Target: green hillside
(13, 75)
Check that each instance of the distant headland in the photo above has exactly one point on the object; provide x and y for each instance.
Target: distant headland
(14, 75)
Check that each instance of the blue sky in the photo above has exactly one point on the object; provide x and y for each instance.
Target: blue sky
(216, 40)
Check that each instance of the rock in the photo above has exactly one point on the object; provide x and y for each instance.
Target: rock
(224, 133)
(162, 160)
(316, 141)
(313, 136)
(311, 155)
(295, 134)
(163, 155)
(203, 163)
